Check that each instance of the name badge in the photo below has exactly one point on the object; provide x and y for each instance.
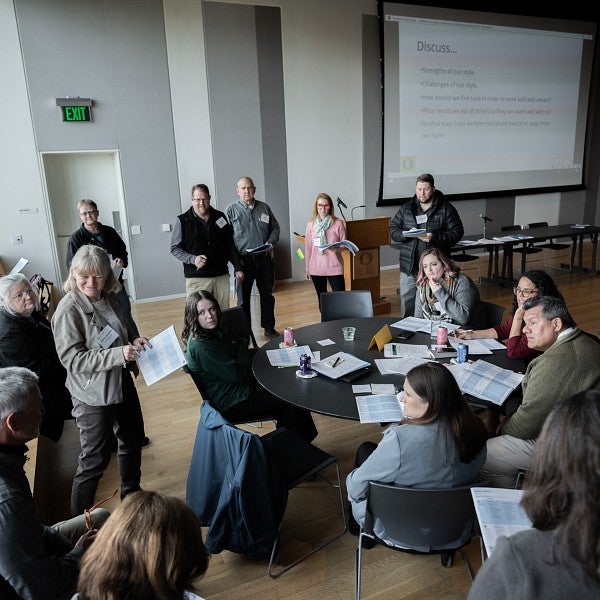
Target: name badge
(107, 336)
(221, 222)
(316, 242)
(438, 307)
(421, 219)
(264, 218)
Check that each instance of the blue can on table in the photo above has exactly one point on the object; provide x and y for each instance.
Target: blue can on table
(304, 364)
(462, 353)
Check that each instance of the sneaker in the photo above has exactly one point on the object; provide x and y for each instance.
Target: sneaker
(271, 333)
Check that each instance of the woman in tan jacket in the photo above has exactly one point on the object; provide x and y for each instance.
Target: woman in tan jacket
(93, 344)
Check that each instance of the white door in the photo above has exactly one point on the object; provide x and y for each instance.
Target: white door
(72, 176)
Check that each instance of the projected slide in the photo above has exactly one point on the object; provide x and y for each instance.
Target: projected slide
(483, 106)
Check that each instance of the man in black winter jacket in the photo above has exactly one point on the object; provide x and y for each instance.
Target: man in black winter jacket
(443, 229)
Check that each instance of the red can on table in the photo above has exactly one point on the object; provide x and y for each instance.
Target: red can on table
(288, 336)
(442, 336)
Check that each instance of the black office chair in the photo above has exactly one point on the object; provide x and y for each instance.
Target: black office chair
(203, 394)
(422, 521)
(525, 250)
(344, 305)
(233, 468)
(235, 318)
(493, 313)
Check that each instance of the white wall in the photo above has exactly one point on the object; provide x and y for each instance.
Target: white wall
(19, 167)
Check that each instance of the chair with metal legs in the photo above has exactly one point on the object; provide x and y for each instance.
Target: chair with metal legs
(420, 520)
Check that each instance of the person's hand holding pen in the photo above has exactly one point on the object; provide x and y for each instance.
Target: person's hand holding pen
(464, 334)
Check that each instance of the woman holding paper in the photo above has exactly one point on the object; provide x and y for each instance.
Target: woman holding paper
(222, 361)
(324, 265)
(93, 344)
(439, 443)
(531, 285)
(559, 557)
(443, 289)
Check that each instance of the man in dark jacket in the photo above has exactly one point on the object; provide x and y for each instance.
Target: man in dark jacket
(202, 240)
(443, 229)
(37, 562)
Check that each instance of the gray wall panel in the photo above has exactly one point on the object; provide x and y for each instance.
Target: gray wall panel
(272, 115)
(247, 113)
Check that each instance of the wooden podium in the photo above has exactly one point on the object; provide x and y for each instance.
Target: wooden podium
(361, 271)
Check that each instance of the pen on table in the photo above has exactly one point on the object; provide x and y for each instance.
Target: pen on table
(287, 366)
(335, 362)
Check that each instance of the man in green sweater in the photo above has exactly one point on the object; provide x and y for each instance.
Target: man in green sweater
(570, 363)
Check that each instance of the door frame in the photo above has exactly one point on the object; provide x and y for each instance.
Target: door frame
(116, 161)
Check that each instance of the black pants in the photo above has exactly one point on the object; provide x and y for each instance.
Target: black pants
(96, 426)
(265, 406)
(336, 282)
(259, 268)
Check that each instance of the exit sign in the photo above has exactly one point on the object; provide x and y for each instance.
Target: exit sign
(76, 113)
(75, 109)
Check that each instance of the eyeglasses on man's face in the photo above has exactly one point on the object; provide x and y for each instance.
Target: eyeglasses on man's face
(88, 213)
(524, 291)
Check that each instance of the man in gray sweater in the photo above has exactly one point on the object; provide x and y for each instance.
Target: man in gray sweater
(570, 363)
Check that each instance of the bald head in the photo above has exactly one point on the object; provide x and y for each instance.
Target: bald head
(245, 190)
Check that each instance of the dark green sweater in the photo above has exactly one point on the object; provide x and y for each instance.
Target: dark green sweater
(224, 363)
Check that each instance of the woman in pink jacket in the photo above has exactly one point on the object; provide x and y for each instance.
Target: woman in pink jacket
(322, 265)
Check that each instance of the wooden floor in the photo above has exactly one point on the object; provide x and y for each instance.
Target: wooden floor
(171, 411)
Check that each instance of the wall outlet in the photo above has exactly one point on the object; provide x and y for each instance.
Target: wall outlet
(166, 227)
(16, 239)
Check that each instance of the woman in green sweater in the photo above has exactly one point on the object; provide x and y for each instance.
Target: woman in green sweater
(222, 361)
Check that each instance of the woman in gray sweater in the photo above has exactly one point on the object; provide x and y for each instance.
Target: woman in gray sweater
(443, 289)
(439, 444)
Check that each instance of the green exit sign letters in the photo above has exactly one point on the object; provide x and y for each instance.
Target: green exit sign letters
(75, 109)
(76, 113)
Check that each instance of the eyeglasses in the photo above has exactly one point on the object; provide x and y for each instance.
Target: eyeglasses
(20, 295)
(524, 291)
(88, 213)
(87, 513)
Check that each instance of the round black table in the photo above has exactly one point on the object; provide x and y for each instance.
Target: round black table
(333, 397)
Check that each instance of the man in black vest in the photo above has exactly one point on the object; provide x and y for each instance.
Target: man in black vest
(202, 240)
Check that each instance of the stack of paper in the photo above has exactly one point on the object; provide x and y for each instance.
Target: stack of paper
(499, 512)
(396, 350)
(414, 232)
(379, 409)
(163, 358)
(288, 356)
(342, 244)
(339, 364)
(485, 380)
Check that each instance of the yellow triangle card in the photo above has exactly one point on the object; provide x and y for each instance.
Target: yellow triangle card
(381, 338)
